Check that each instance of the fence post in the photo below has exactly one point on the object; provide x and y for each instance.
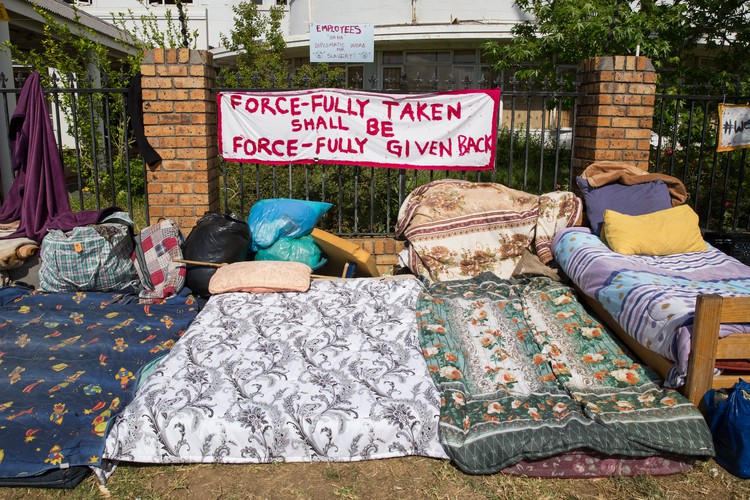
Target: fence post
(615, 117)
(180, 122)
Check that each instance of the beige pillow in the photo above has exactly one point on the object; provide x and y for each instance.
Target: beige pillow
(261, 276)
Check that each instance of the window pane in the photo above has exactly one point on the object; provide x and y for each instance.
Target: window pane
(355, 77)
(413, 58)
(419, 77)
(393, 57)
(427, 57)
(464, 76)
(464, 57)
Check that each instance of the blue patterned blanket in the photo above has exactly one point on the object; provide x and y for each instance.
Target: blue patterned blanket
(68, 365)
(652, 297)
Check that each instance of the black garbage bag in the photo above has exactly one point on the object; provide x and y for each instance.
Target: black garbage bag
(216, 238)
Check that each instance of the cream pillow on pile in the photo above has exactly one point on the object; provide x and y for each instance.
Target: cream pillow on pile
(261, 276)
(666, 232)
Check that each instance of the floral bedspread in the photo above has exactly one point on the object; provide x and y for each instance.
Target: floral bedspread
(525, 373)
(459, 229)
(333, 374)
(653, 297)
(68, 365)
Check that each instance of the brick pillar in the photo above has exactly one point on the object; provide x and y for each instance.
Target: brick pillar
(614, 119)
(180, 121)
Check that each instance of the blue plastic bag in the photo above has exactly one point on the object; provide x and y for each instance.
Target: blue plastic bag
(302, 249)
(274, 218)
(729, 420)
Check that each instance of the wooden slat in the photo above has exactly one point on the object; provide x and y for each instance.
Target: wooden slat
(735, 310)
(734, 347)
(703, 343)
(723, 381)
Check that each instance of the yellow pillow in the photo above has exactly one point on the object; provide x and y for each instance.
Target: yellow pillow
(666, 232)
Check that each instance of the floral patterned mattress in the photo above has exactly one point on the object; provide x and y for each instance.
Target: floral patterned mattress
(333, 374)
(525, 373)
(338, 374)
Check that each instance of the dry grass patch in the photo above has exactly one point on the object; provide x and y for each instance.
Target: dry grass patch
(401, 478)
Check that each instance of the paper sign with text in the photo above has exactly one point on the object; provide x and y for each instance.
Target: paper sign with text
(443, 130)
(342, 43)
(734, 127)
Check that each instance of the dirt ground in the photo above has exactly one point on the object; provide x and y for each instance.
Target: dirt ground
(403, 478)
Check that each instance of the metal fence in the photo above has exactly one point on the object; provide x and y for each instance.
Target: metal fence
(534, 153)
(684, 142)
(535, 150)
(90, 121)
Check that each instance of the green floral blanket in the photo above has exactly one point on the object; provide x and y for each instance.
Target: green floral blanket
(524, 372)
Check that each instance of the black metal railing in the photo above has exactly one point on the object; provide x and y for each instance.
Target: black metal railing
(534, 154)
(535, 150)
(684, 143)
(90, 121)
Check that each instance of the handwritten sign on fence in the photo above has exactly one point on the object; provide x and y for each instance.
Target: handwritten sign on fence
(734, 127)
(444, 130)
(342, 43)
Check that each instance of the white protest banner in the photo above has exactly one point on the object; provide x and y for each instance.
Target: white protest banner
(443, 130)
(734, 127)
(342, 43)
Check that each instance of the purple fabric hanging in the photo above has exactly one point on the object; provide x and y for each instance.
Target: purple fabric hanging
(38, 196)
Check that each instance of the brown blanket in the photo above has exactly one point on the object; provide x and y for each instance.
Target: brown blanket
(602, 173)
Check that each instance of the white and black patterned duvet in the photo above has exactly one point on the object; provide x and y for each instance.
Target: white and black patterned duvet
(334, 374)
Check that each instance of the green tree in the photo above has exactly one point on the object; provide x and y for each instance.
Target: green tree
(568, 31)
(257, 39)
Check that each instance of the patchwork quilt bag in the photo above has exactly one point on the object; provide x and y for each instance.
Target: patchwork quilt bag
(156, 247)
(89, 258)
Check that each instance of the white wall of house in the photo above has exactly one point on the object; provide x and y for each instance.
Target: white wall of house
(415, 16)
(211, 18)
(397, 22)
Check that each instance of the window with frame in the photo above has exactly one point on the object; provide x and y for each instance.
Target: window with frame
(355, 77)
(426, 71)
(392, 62)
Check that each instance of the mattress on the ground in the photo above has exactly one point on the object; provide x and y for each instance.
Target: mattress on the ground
(68, 365)
(525, 373)
(333, 374)
(652, 297)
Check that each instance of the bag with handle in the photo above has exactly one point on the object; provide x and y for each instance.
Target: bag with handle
(728, 416)
(156, 248)
(89, 258)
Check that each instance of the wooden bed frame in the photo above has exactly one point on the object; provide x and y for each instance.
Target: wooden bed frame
(706, 346)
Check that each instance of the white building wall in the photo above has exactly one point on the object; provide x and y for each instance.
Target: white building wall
(211, 18)
(393, 19)
(425, 40)
(399, 12)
